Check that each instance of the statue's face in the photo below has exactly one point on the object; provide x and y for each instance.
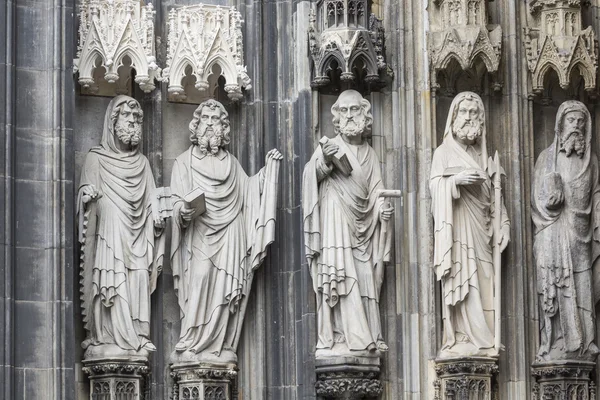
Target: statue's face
(352, 115)
(573, 133)
(128, 126)
(210, 130)
(210, 121)
(467, 126)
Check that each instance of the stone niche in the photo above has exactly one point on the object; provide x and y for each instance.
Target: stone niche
(205, 43)
(463, 46)
(346, 47)
(556, 42)
(115, 38)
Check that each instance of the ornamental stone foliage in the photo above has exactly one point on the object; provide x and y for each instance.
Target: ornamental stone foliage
(110, 32)
(342, 35)
(559, 43)
(460, 33)
(201, 37)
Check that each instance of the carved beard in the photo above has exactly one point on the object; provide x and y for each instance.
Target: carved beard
(129, 135)
(467, 130)
(352, 126)
(574, 142)
(209, 141)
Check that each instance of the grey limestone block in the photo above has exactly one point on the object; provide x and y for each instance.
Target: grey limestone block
(34, 338)
(32, 110)
(31, 213)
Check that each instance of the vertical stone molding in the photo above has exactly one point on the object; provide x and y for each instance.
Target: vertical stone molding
(563, 380)
(559, 43)
(345, 39)
(468, 378)
(201, 381)
(348, 378)
(117, 36)
(461, 40)
(200, 38)
(116, 378)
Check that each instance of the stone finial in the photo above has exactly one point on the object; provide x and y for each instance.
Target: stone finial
(559, 43)
(110, 31)
(201, 37)
(460, 33)
(342, 35)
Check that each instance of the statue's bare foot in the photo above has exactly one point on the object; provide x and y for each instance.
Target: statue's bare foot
(148, 346)
(381, 346)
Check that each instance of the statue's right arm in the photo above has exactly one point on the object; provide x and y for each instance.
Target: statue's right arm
(323, 169)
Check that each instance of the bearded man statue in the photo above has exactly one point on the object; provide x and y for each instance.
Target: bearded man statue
(214, 254)
(343, 235)
(565, 204)
(121, 240)
(463, 207)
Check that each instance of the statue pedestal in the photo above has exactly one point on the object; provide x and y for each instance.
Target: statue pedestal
(204, 381)
(466, 378)
(116, 378)
(558, 380)
(348, 378)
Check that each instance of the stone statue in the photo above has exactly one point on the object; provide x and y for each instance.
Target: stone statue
(121, 238)
(345, 240)
(215, 252)
(565, 205)
(471, 231)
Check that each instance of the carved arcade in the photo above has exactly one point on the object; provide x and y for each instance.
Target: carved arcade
(201, 38)
(343, 36)
(559, 43)
(464, 37)
(110, 32)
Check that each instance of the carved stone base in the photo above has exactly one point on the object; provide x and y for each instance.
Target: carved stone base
(116, 378)
(563, 380)
(202, 381)
(466, 378)
(348, 378)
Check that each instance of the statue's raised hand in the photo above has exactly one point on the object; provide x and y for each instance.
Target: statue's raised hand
(90, 193)
(554, 191)
(386, 213)
(329, 150)
(273, 154)
(469, 177)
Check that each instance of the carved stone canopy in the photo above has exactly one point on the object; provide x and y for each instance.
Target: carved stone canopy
(559, 43)
(201, 37)
(110, 32)
(343, 36)
(463, 36)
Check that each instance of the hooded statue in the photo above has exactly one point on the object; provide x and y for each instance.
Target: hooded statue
(121, 242)
(463, 210)
(565, 205)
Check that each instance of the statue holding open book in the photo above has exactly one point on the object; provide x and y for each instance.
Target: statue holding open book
(346, 235)
(223, 222)
(471, 231)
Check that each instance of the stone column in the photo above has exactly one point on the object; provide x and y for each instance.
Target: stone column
(204, 381)
(563, 380)
(466, 378)
(117, 378)
(348, 378)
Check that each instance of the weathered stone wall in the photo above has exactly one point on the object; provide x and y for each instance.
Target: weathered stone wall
(47, 127)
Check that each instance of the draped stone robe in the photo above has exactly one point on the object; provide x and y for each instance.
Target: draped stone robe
(565, 246)
(122, 251)
(463, 259)
(215, 256)
(342, 237)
